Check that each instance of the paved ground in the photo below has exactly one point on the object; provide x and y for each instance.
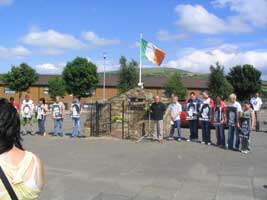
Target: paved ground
(107, 169)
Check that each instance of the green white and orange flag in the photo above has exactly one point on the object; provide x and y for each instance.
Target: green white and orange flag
(152, 53)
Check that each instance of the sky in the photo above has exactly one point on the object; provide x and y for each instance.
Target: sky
(195, 34)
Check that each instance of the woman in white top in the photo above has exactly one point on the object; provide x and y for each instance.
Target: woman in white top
(23, 169)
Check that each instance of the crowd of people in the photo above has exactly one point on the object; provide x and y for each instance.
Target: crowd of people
(204, 111)
(28, 111)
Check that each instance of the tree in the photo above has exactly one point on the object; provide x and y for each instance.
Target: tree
(175, 86)
(128, 75)
(20, 78)
(56, 87)
(218, 83)
(80, 77)
(245, 81)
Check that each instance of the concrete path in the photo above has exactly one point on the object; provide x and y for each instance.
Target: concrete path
(108, 169)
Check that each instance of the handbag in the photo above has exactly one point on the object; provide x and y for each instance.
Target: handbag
(7, 185)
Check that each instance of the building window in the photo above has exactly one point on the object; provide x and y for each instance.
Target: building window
(46, 90)
(8, 91)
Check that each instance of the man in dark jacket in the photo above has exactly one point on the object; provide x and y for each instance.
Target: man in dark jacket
(193, 122)
(157, 110)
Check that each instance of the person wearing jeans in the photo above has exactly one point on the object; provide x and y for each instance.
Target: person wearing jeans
(58, 116)
(175, 109)
(233, 126)
(219, 126)
(75, 115)
(157, 110)
(41, 112)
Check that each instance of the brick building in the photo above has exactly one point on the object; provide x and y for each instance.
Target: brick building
(151, 83)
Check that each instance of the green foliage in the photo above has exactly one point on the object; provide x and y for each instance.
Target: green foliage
(263, 91)
(20, 78)
(245, 81)
(81, 77)
(175, 86)
(117, 118)
(128, 75)
(56, 87)
(217, 83)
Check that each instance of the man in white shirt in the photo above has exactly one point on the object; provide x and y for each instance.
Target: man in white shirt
(76, 110)
(233, 114)
(27, 111)
(256, 103)
(58, 110)
(175, 109)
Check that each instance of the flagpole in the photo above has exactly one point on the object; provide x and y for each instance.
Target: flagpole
(140, 84)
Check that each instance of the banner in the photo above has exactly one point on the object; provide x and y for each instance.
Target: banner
(245, 127)
(191, 111)
(218, 115)
(205, 112)
(231, 116)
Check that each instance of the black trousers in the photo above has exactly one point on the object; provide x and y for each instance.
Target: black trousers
(206, 131)
(193, 125)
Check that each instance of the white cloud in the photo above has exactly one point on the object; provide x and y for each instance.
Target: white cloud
(49, 68)
(252, 11)
(195, 18)
(163, 35)
(17, 52)
(108, 65)
(51, 39)
(96, 40)
(199, 60)
(198, 19)
(6, 2)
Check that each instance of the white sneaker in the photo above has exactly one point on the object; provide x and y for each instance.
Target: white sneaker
(209, 143)
(188, 140)
(170, 138)
(202, 142)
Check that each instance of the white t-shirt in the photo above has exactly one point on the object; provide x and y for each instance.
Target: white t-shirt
(27, 109)
(235, 105)
(175, 109)
(256, 103)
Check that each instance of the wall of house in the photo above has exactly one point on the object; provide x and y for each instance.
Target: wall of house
(37, 92)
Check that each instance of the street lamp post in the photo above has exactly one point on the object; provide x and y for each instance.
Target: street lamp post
(104, 77)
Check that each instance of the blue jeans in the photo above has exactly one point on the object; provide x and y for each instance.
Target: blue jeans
(220, 134)
(233, 132)
(176, 124)
(58, 126)
(205, 131)
(41, 124)
(76, 127)
(193, 125)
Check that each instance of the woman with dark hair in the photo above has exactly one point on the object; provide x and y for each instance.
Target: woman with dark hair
(23, 169)
(41, 112)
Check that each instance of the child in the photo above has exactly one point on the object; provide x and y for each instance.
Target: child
(247, 120)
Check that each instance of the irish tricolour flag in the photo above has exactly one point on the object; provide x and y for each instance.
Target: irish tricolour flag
(152, 53)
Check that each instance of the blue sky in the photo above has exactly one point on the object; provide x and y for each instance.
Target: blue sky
(194, 34)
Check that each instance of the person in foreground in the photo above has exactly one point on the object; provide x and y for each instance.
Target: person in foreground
(23, 169)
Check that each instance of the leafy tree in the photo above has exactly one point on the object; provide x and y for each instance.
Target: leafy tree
(20, 78)
(128, 75)
(56, 86)
(218, 83)
(175, 86)
(80, 77)
(245, 81)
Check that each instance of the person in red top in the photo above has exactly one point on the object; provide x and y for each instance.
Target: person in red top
(15, 104)
(219, 121)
